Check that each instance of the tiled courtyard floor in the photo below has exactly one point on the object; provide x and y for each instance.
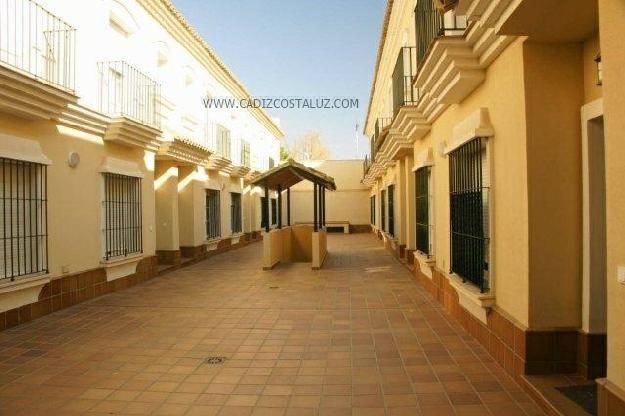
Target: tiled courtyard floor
(357, 338)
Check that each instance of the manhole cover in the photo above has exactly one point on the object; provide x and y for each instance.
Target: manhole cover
(215, 360)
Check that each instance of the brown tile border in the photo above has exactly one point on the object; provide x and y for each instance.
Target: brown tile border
(69, 290)
(591, 355)
(359, 228)
(610, 399)
(169, 257)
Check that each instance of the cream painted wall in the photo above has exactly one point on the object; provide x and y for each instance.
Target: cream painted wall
(167, 217)
(612, 31)
(553, 76)
(74, 194)
(350, 202)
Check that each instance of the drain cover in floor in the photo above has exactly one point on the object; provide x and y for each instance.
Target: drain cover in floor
(585, 396)
(215, 360)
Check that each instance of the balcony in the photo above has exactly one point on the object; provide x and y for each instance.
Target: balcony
(131, 99)
(382, 125)
(241, 158)
(432, 24)
(37, 61)
(405, 69)
(217, 138)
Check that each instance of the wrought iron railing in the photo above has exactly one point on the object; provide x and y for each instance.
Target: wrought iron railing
(127, 92)
(431, 24)
(223, 145)
(405, 69)
(213, 218)
(235, 213)
(380, 126)
(37, 42)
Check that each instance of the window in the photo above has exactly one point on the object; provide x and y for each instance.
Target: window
(223, 142)
(235, 213)
(272, 163)
(263, 211)
(23, 218)
(121, 210)
(391, 210)
(469, 189)
(213, 217)
(372, 210)
(383, 210)
(245, 154)
(274, 211)
(422, 195)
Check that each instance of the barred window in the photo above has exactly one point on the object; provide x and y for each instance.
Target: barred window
(423, 221)
(383, 210)
(263, 211)
(23, 218)
(372, 210)
(121, 209)
(391, 210)
(235, 213)
(274, 211)
(213, 217)
(469, 214)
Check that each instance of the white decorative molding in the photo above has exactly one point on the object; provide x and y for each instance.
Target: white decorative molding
(423, 159)
(469, 296)
(425, 263)
(118, 268)
(121, 167)
(22, 291)
(18, 148)
(127, 132)
(183, 150)
(475, 125)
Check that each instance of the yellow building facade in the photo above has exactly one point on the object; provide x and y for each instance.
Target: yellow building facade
(112, 167)
(487, 169)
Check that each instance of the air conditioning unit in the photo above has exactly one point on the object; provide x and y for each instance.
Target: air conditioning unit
(443, 6)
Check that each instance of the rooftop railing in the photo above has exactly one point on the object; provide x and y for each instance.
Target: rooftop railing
(35, 41)
(126, 91)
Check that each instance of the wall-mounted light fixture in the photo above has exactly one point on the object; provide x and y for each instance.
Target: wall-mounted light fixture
(599, 70)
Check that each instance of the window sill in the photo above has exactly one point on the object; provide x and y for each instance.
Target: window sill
(24, 282)
(425, 263)
(22, 291)
(121, 267)
(470, 297)
(212, 243)
(235, 238)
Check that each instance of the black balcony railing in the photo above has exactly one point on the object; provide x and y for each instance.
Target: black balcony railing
(380, 126)
(431, 24)
(405, 69)
(37, 42)
(125, 91)
(224, 145)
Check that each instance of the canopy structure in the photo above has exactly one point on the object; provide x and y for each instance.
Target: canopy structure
(287, 174)
(300, 242)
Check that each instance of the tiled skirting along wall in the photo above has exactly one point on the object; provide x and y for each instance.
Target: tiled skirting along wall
(69, 290)
(201, 252)
(519, 351)
(359, 228)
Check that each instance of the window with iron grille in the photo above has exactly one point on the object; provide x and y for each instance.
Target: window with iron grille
(391, 210)
(23, 218)
(121, 209)
(213, 217)
(422, 195)
(383, 210)
(469, 214)
(235, 213)
(223, 142)
(372, 209)
(274, 211)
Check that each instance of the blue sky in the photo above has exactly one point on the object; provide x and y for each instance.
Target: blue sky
(298, 48)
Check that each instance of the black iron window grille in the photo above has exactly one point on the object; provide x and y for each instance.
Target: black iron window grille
(213, 217)
(431, 24)
(422, 195)
(223, 142)
(391, 210)
(405, 69)
(263, 211)
(469, 213)
(274, 211)
(372, 210)
(245, 154)
(383, 210)
(122, 215)
(127, 92)
(235, 213)
(23, 218)
(37, 42)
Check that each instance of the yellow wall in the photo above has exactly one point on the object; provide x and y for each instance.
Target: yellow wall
(166, 184)
(75, 194)
(553, 94)
(612, 30)
(592, 91)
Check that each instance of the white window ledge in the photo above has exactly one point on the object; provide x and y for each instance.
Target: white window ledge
(121, 267)
(235, 238)
(211, 243)
(21, 291)
(470, 298)
(425, 263)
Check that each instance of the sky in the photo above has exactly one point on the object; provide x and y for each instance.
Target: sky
(287, 48)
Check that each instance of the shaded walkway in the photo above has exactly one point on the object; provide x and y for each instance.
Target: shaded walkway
(356, 338)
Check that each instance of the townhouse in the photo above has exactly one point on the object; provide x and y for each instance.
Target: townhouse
(487, 173)
(112, 169)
